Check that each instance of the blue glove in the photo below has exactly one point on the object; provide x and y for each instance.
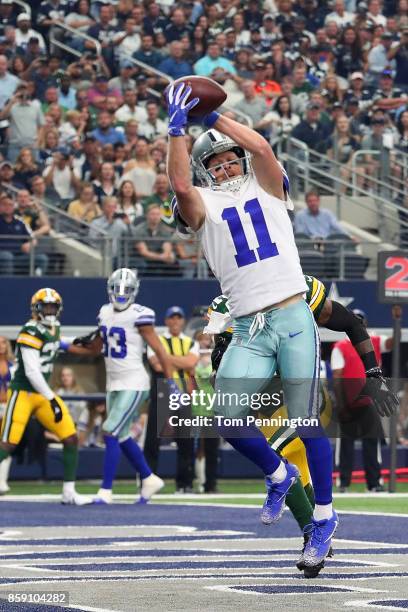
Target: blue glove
(64, 346)
(179, 107)
(210, 119)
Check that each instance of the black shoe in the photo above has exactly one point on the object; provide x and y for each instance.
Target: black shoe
(342, 489)
(377, 489)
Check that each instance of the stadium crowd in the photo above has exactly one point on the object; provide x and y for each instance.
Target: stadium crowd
(87, 132)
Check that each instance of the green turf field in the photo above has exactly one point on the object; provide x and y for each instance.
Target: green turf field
(236, 491)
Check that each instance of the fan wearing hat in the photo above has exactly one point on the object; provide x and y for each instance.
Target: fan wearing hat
(387, 96)
(378, 57)
(24, 32)
(358, 91)
(268, 88)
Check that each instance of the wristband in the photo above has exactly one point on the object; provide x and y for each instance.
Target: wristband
(211, 119)
(176, 131)
(64, 346)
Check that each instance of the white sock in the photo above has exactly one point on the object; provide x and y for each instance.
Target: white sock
(279, 474)
(68, 488)
(320, 513)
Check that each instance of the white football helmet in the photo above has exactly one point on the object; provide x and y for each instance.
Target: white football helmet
(123, 286)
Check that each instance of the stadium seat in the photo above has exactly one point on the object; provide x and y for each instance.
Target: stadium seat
(312, 262)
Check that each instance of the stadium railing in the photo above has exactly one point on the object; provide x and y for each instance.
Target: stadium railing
(54, 41)
(377, 211)
(336, 257)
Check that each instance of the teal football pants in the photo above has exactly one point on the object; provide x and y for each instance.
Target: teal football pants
(122, 408)
(282, 338)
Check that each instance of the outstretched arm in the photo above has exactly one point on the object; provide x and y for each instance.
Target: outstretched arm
(266, 166)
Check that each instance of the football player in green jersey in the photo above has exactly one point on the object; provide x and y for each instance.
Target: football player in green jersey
(29, 394)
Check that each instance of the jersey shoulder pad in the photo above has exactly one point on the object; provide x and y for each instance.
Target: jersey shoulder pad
(143, 315)
(32, 335)
(103, 312)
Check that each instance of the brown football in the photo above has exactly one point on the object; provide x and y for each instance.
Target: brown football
(211, 94)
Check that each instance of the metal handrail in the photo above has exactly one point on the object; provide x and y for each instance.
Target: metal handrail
(64, 26)
(58, 43)
(377, 182)
(26, 7)
(57, 211)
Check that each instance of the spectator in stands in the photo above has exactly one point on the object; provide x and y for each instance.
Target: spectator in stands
(25, 167)
(130, 109)
(8, 85)
(280, 121)
(16, 242)
(376, 140)
(68, 385)
(153, 127)
(66, 93)
(264, 86)
(104, 32)
(153, 245)
(90, 421)
(113, 226)
(316, 222)
(147, 53)
(127, 41)
(80, 19)
(88, 163)
(48, 143)
(106, 183)
(177, 26)
(387, 96)
(32, 213)
(399, 54)
(252, 105)
(341, 146)
(105, 133)
(100, 91)
(349, 53)
(141, 169)
(7, 176)
(24, 32)
(377, 58)
(38, 190)
(374, 13)
(26, 119)
(358, 90)
(62, 178)
(212, 60)
(162, 196)
(175, 65)
(86, 207)
(153, 20)
(124, 80)
(402, 126)
(311, 129)
(129, 204)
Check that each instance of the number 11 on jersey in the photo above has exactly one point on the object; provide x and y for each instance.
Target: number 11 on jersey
(266, 249)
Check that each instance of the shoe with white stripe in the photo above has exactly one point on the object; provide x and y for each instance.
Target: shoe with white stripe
(274, 504)
(75, 499)
(319, 543)
(150, 485)
(103, 496)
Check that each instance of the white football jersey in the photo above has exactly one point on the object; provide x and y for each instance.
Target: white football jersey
(247, 239)
(123, 346)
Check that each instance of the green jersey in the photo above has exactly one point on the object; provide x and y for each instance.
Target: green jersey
(46, 340)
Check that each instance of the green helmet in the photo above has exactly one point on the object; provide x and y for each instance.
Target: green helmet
(211, 143)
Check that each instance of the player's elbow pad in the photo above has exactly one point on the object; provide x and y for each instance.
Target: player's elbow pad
(343, 320)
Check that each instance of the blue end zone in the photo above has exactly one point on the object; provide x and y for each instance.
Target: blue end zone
(373, 528)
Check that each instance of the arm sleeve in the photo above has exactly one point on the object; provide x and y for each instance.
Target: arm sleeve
(337, 359)
(32, 369)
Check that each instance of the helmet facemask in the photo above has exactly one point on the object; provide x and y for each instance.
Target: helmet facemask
(47, 312)
(123, 287)
(218, 143)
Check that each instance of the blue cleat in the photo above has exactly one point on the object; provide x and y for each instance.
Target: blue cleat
(274, 504)
(319, 543)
